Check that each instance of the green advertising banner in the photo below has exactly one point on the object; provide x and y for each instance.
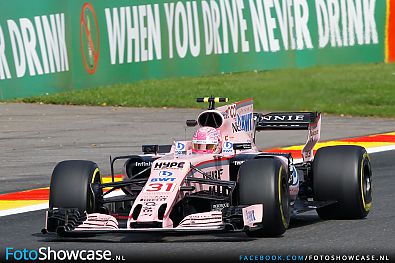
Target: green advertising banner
(51, 46)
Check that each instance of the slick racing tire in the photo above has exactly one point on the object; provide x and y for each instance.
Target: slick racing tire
(265, 181)
(72, 186)
(343, 174)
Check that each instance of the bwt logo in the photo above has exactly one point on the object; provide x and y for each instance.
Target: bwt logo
(245, 121)
(180, 146)
(165, 173)
(228, 146)
(295, 178)
(163, 179)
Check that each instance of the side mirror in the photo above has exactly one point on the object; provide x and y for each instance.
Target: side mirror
(150, 149)
(191, 123)
(242, 146)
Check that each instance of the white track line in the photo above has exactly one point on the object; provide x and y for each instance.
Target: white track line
(381, 149)
(24, 209)
(31, 208)
(42, 206)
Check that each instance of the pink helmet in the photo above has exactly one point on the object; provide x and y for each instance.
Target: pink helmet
(206, 140)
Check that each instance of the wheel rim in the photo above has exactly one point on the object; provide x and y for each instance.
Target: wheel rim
(283, 198)
(96, 178)
(366, 185)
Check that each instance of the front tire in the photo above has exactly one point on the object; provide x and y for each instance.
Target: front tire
(71, 186)
(265, 181)
(343, 174)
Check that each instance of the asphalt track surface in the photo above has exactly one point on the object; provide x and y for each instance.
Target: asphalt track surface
(34, 137)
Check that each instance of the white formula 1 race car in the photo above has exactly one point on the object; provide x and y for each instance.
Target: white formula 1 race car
(218, 181)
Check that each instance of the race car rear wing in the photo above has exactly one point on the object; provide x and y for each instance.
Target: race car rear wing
(310, 121)
(285, 120)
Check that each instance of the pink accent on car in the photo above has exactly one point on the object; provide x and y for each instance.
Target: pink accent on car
(99, 222)
(313, 136)
(206, 219)
(253, 215)
(206, 140)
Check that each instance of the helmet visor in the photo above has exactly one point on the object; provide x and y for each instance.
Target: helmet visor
(203, 148)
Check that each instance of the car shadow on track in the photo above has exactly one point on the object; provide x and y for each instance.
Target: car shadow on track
(304, 220)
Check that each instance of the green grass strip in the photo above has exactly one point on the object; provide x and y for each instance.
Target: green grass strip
(363, 90)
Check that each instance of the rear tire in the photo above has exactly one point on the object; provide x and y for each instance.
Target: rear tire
(343, 174)
(265, 181)
(71, 183)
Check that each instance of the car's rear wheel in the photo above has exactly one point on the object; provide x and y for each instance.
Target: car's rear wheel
(72, 186)
(343, 174)
(265, 181)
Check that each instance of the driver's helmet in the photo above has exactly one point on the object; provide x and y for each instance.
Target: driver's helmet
(206, 140)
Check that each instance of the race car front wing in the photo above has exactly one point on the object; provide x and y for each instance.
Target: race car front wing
(71, 222)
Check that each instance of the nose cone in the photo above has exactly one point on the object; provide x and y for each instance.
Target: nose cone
(148, 214)
(161, 192)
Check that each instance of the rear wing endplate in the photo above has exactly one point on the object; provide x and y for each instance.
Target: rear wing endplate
(310, 121)
(285, 120)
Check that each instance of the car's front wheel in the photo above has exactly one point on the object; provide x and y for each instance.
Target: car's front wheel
(265, 181)
(71, 186)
